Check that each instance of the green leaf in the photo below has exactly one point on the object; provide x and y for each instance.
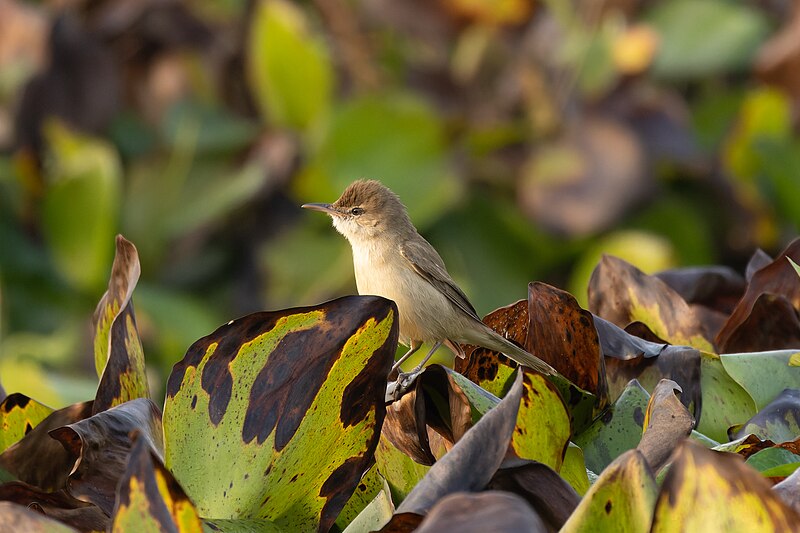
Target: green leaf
(724, 402)
(779, 421)
(774, 462)
(794, 265)
(622, 498)
(389, 137)
(573, 470)
(763, 375)
(543, 425)
(376, 514)
(288, 66)
(371, 484)
(701, 38)
(616, 430)
(18, 416)
(250, 408)
(80, 205)
(400, 471)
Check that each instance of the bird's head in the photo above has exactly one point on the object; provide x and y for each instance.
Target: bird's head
(366, 210)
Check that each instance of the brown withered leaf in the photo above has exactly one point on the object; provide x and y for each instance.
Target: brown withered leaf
(57, 505)
(474, 459)
(778, 60)
(716, 287)
(625, 344)
(621, 293)
(667, 422)
(491, 510)
(563, 334)
(757, 261)
(771, 325)
(14, 517)
(39, 460)
(777, 278)
(553, 498)
(405, 426)
(99, 447)
(402, 523)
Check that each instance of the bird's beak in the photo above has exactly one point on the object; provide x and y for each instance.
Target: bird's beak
(325, 208)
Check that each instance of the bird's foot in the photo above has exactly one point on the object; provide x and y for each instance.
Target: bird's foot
(397, 388)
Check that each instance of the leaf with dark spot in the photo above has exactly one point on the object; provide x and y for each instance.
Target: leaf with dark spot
(118, 355)
(57, 505)
(621, 293)
(99, 446)
(616, 430)
(622, 498)
(149, 497)
(776, 278)
(287, 414)
(553, 498)
(667, 422)
(400, 471)
(779, 421)
(711, 491)
(473, 460)
(18, 416)
(497, 511)
(39, 460)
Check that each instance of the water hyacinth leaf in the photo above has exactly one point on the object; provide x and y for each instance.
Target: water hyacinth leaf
(622, 498)
(150, 499)
(376, 514)
(667, 422)
(119, 358)
(789, 490)
(763, 375)
(400, 471)
(622, 294)
(369, 486)
(474, 459)
(15, 517)
(250, 406)
(499, 511)
(774, 462)
(725, 403)
(779, 421)
(710, 491)
(619, 344)
(57, 505)
(18, 416)
(772, 324)
(795, 266)
(615, 431)
(39, 460)
(717, 287)
(405, 426)
(80, 205)
(288, 67)
(543, 427)
(573, 470)
(99, 447)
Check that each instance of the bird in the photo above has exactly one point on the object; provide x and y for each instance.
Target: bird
(391, 259)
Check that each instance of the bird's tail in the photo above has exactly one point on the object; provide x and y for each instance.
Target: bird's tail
(494, 341)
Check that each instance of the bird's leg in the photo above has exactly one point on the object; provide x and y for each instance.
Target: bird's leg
(412, 348)
(430, 354)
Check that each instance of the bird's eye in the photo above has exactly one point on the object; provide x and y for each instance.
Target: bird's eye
(357, 211)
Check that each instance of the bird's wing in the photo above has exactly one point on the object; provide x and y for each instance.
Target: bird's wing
(426, 262)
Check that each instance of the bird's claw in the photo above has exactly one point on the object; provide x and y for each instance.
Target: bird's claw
(397, 388)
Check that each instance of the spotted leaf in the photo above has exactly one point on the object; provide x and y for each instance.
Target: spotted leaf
(18, 416)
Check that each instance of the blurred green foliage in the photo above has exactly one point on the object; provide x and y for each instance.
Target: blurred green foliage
(526, 140)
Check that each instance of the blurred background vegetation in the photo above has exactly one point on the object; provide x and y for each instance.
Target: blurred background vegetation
(526, 137)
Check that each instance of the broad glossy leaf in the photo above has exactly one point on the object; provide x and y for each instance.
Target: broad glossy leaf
(774, 462)
(473, 460)
(622, 294)
(573, 470)
(771, 325)
(717, 287)
(725, 403)
(615, 431)
(763, 375)
(375, 515)
(622, 498)
(667, 422)
(80, 205)
(777, 278)
(498, 511)
(15, 517)
(39, 460)
(18, 416)
(370, 485)
(711, 491)
(700, 38)
(250, 406)
(99, 447)
(789, 490)
(118, 355)
(778, 421)
(57, 505)
(543, 428)
(288, 67)
(400, 471)
(149, 498)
